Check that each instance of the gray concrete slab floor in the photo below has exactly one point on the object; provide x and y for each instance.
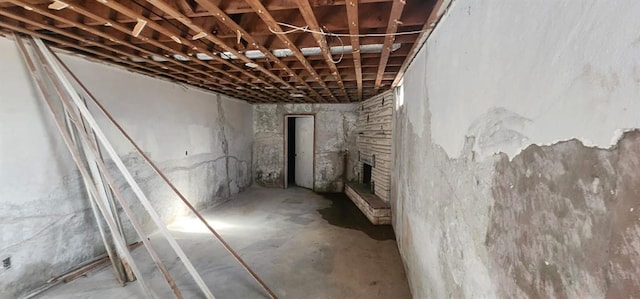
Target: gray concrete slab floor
(302, 244)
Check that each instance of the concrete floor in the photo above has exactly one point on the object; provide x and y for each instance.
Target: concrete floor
(302, 244)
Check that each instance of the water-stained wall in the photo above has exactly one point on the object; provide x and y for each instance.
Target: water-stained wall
(512, 176)
(334, 137)
(202, 142)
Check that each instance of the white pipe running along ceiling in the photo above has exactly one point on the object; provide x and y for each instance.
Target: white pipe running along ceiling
(256, 54)
(313, 51)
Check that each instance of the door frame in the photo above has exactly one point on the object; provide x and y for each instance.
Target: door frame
(285, 163)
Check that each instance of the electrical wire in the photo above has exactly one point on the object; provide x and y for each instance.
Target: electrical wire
(306, 29)
(292, 30)
(329, 34)
(338, 35)
(341, 52)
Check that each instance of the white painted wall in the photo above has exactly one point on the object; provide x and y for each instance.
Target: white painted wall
(514, 73)
(203, 142)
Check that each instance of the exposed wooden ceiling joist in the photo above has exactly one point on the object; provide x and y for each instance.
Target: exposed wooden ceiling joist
(392, 28)
(354, 30)
(256, 50)
(166, 7)
(178, 38)
(31, 20)
(436, 14)
(312, 22)
(264, 14)
(136, 67)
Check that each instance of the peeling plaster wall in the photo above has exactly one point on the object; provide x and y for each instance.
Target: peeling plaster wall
(551, 215)
(335, 133)
(523, 74)
(201, 140)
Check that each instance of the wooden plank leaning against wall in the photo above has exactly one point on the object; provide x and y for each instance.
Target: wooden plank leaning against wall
(375, 128)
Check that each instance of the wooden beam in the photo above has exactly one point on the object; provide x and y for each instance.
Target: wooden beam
(173, 187)
(135, 67)
(225, 19)
(131, 66)
(352, 15)
(185, 6)
(159, 65)
(120, 243)
(237, 7)
(434, 18)
(110, 150)
(264, 14)
(312, 22)
(164, 6)
(392, 28)
(234, 7)
(336, 20)
(171, 33)
(91, 30)
(92, 144)
(153, 42)
(176, 36)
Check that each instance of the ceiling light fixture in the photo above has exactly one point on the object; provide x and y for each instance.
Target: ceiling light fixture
(251, 65)
(58, 5)
(138, 28)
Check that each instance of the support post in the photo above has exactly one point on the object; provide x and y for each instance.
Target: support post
(125, 172)
(92, 152)
(157, 170)
(83, 171)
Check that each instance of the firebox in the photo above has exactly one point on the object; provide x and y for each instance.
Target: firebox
(366, 176)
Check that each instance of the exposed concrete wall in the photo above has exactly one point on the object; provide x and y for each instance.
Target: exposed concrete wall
(334, 134)
(550, 216)
(202, 141)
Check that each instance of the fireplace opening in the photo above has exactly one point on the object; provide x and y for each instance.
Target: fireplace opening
(366, 174)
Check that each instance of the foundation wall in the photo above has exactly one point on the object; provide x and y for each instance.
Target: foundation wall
(512, 177)
(334, 138)
(202, 141)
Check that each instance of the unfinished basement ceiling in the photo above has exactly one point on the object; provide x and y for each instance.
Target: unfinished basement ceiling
(229, 46)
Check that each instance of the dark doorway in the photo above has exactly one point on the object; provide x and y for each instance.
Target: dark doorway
(291, 151)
